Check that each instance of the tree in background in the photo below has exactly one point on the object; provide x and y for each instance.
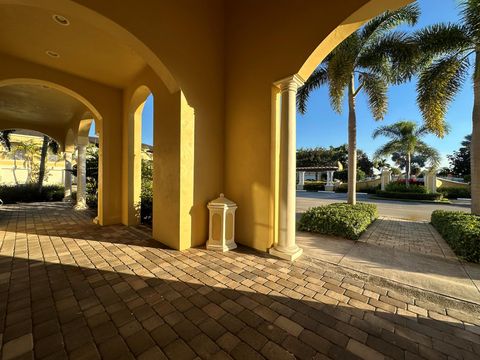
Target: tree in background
(380, 164)
(332, 156)
(51, 145)
(417, 160)
(460, 160)
(372, 57)
(406, 139)
(364, 164)
(446, 53)
(320, 156)
(28, 150)
(5, 139)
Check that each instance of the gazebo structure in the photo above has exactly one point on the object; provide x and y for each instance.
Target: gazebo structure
(330, 170)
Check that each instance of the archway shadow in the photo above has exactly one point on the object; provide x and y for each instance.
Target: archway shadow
(191, 304)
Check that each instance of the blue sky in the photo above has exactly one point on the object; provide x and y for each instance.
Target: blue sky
(321, 126)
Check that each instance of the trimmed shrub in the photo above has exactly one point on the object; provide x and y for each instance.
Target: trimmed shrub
(401, 187)
(461, 231)
(455, 193)
(11, 194)
(343, 188)
(409, 195)
(314, 186)
(339, 219)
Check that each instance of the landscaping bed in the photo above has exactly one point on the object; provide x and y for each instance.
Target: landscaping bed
(314, 186)
(461, 231)
(11, 194)
(454, 192)
(339, 219)
(414, 191)
(410, 195)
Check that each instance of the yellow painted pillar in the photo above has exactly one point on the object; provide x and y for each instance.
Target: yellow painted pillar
(173, 169)
(110, 169)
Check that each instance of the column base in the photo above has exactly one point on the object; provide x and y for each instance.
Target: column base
(299, 187)
(290, 255)
(230, 245)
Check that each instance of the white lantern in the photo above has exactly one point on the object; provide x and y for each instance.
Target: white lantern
(222, 224)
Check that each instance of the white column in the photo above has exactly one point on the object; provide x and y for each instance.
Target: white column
(329, 186)
(68, 176)
(430, 181)
(81, 177)
(286, 248)
(385, 178)
(301, 180)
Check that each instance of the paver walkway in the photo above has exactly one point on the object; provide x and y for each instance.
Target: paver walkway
(72, 289)
(412, 236)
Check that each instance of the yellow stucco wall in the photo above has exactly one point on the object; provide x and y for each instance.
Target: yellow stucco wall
(211, 66)
(446, 183)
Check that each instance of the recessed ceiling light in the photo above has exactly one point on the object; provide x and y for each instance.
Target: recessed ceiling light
(61, 20)
(52, 54)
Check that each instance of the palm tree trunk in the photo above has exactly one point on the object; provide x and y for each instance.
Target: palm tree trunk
(352, 144)
(408, 168)
(475, 143)
(43, 156)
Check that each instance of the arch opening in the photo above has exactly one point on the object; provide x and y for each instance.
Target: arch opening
(140, 157)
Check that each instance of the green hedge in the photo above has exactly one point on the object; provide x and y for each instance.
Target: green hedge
(11, 194)
(409, 196)
(455, 193)
(314, 186)
(461, 231)
(340, 219)
(401, 187)
(343, 188)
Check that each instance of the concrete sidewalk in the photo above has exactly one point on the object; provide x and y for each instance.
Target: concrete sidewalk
(441, 274)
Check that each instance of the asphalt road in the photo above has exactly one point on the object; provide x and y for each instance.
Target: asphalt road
(392, 208)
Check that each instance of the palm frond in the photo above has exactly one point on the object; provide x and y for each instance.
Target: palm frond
(470, 10)
(317, 79)
(432, 155)
(440, 39)
(340, 69)
(393, 131)
(389, 20)
(387, 149)
(393, 55)
(375, 88)
(437, 86)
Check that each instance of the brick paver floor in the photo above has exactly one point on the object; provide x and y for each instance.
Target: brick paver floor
(413, 236)
(72, 289)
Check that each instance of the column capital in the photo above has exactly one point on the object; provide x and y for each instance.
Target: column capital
(289, 83)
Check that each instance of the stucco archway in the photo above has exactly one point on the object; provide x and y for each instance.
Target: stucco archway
(94, 19)
(283, 150)
(134, 161)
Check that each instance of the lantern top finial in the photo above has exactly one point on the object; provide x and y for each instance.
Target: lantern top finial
(222, 201)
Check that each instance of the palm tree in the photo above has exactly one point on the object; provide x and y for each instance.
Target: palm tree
(48, 144)
(406, 139)
(374, 56)
(446, 54)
